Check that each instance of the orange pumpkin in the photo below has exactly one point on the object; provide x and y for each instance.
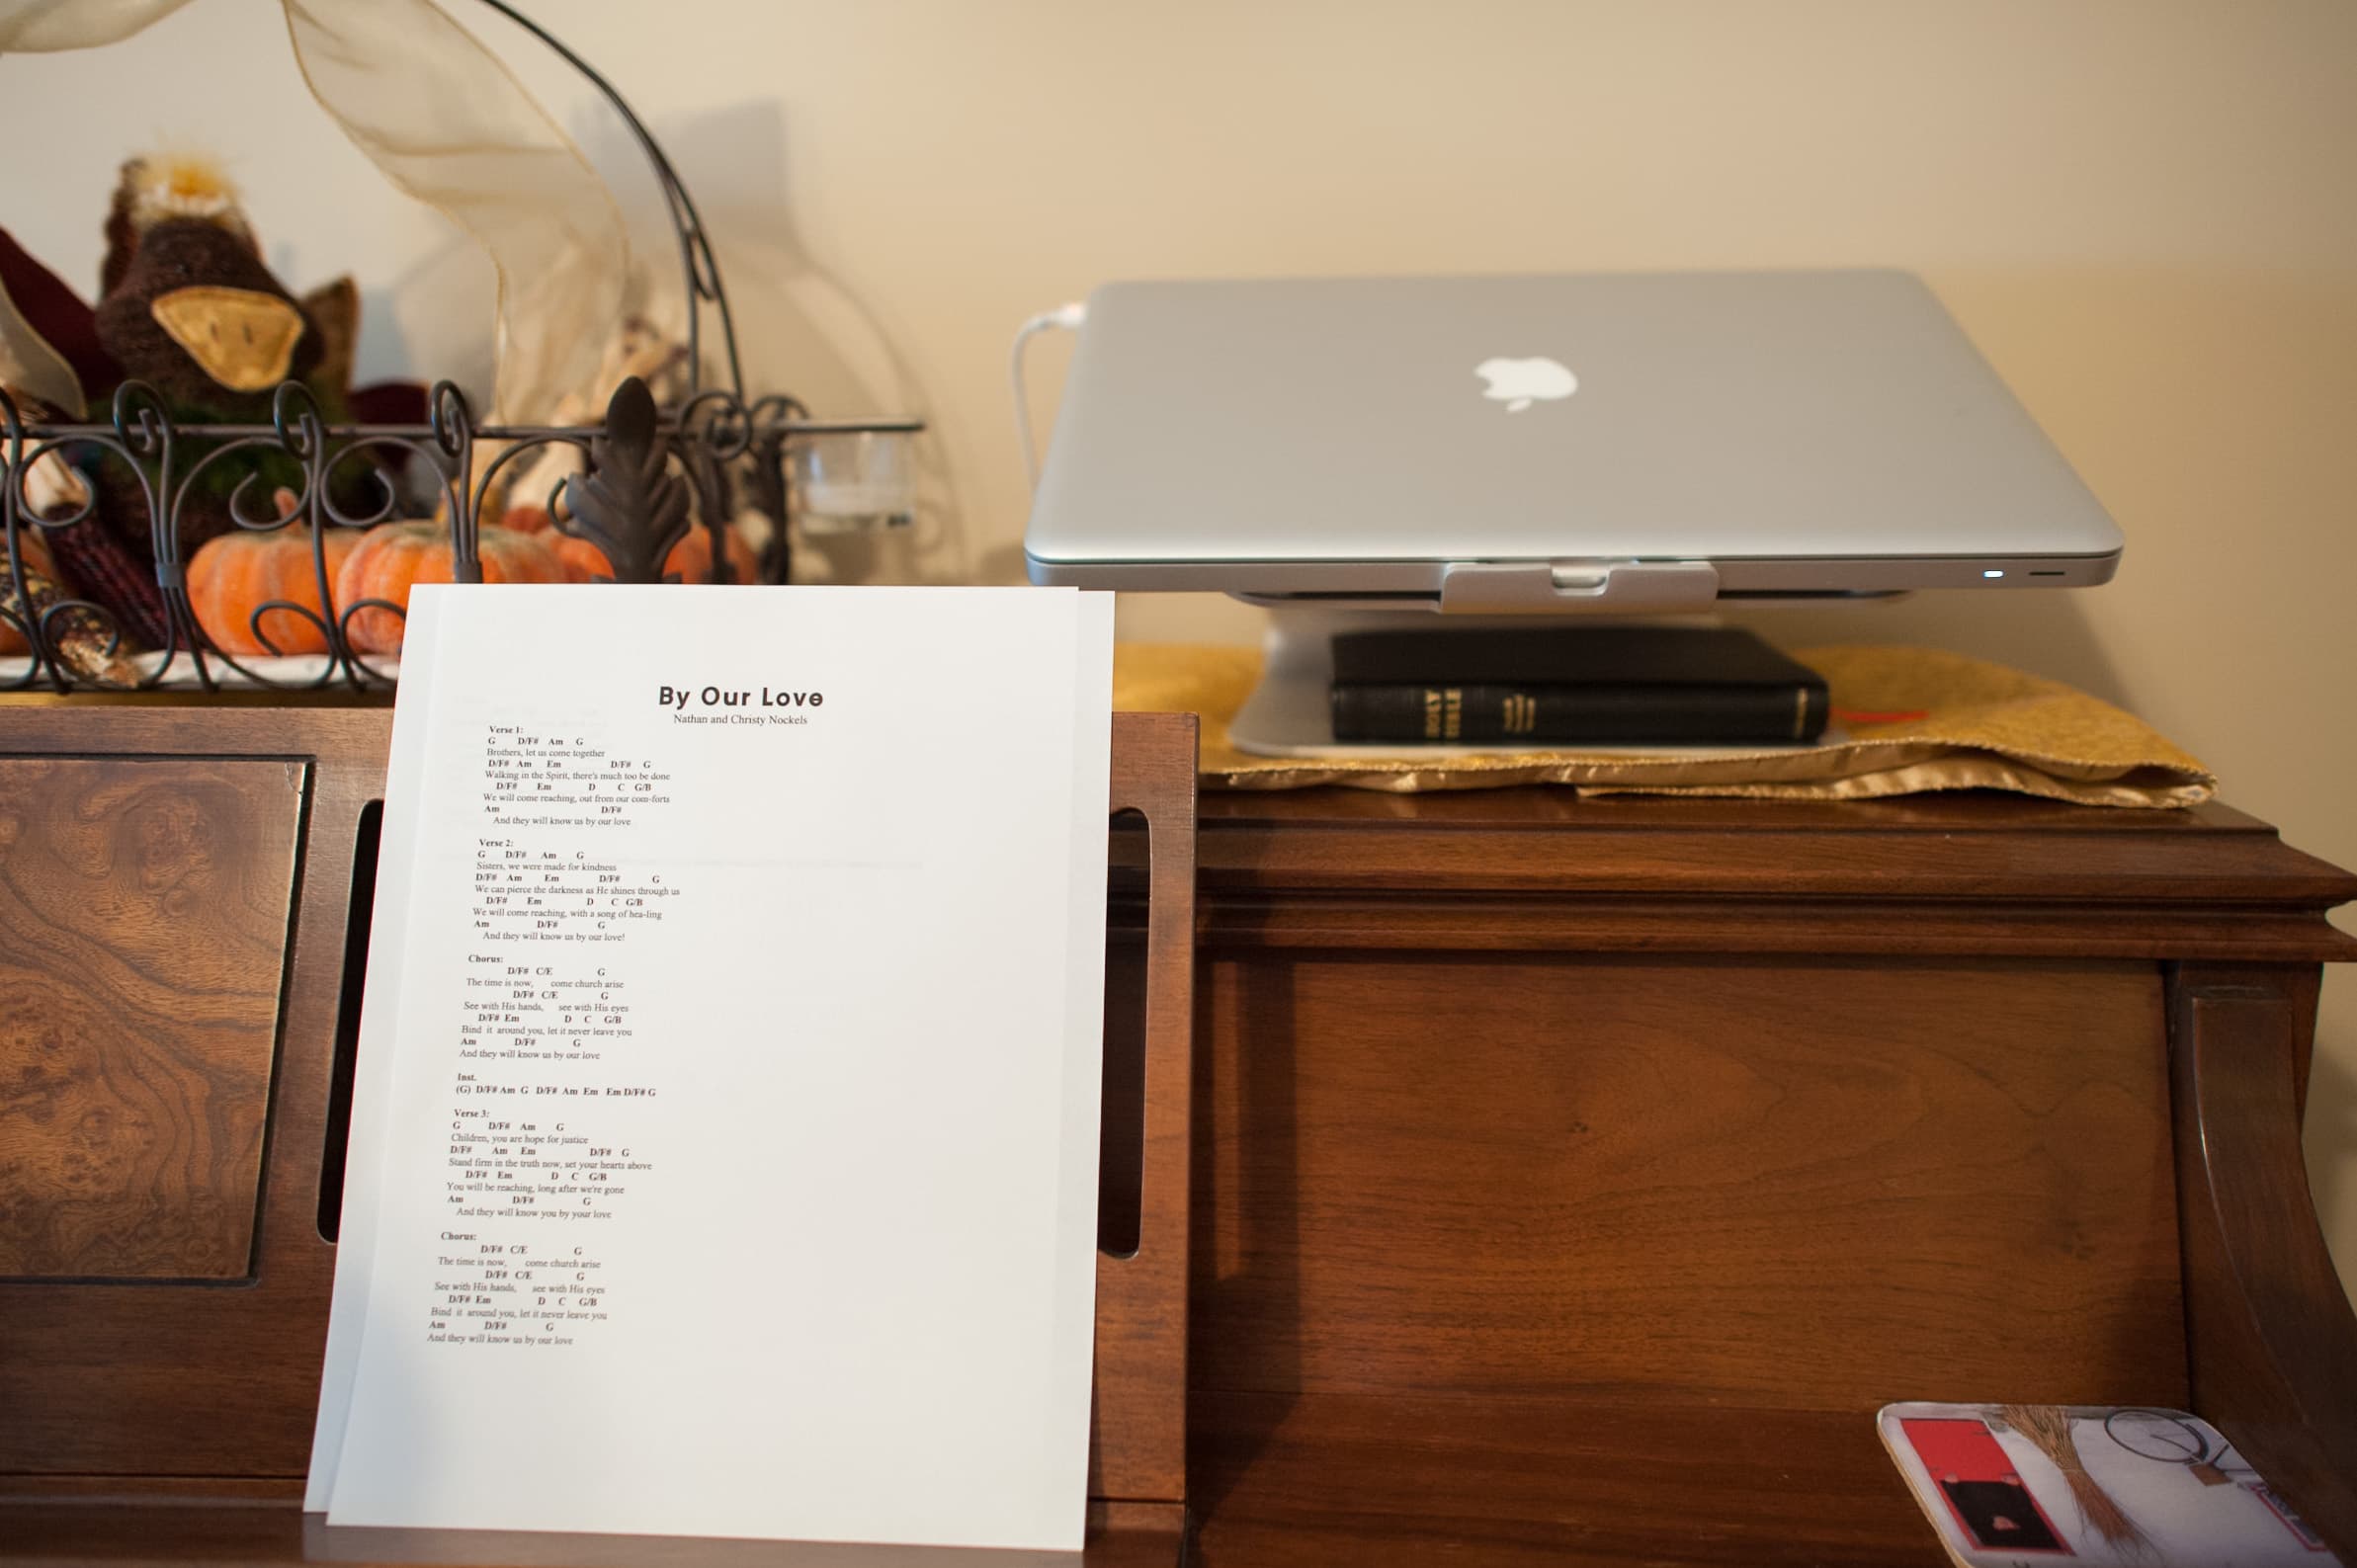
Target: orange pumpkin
(33, 550)
(233, 575)
(393, 558)
(690, 559)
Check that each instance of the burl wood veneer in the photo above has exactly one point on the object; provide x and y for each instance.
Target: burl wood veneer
(144, 912)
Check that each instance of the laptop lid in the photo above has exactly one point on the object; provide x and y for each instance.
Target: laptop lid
(1613, 440)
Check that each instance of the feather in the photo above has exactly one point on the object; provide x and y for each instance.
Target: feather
(182, 185)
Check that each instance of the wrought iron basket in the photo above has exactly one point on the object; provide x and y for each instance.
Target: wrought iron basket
(649, 475)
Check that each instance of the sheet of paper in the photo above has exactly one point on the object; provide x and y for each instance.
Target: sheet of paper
(738, 1146)
(1084, 1016)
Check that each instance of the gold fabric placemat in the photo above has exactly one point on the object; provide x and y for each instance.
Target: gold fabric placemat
(1966, 726)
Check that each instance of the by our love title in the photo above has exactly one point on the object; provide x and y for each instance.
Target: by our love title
(677, 697)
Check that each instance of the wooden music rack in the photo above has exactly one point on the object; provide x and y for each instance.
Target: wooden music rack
(183, 921)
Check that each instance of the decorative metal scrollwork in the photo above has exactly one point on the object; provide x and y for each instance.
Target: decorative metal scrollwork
(649, 475)
(628, 504)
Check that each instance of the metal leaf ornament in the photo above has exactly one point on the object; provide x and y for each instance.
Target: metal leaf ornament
(628, 504)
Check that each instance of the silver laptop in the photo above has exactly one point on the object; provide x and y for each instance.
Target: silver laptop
(1614, 442)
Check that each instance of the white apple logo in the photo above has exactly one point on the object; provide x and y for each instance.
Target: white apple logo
(1518, 383)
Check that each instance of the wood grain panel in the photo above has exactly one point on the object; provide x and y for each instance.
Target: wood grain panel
(1821, 1186)
(143, 909)
(1527, 1483)
(139, 1380)
(1138, 1432)
(1320, 1481)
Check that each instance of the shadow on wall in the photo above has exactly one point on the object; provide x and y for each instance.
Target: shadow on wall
(432, 321)
(800, 329)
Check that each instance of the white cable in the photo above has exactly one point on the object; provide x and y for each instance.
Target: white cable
(1068, 316)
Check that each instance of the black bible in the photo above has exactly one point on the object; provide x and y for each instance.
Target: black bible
(1581, 684)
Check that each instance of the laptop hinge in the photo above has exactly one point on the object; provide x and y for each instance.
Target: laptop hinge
(1537, 587)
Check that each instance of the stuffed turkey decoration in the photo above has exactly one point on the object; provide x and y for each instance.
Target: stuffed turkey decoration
(187, 306)
(188, 309)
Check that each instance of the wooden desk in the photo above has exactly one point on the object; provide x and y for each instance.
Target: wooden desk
(1574, 1179)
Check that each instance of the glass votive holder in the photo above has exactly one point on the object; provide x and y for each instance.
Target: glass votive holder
(856, 481)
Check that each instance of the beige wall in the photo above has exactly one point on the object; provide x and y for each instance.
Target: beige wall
(2145, 212)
